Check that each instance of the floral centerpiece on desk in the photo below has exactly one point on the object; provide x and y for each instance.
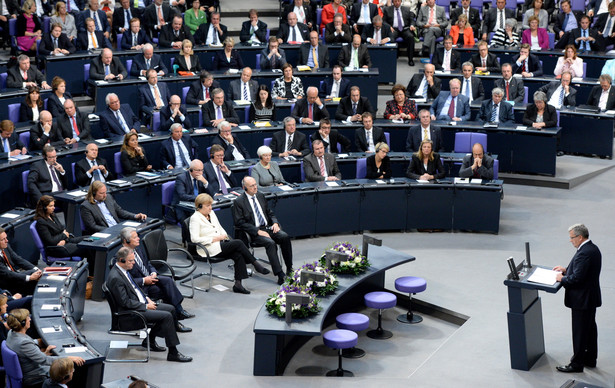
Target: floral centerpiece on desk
(356, 263)
(276, 303)
(327, 286)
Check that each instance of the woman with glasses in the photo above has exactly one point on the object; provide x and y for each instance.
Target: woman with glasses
(378, 165)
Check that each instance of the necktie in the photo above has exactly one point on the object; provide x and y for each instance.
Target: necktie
(221, 180)
(451, 108)
(157, 97)
(273, 58)
(494, 113)
(507, 96)
(431, 16)
(467, 90)
(127, 19)
(245, 92)
(337, 89)
(7, 147)
(446, 60)
(355, 62)
(293, 35)
(289, 143)
(25, 75)
(54, 176)
(311, 111)
(55, 41)
(607, 30)
(107, 70)
(160, 18)
(195, 186)
(93, 40)
(484, 62)
(219, 113)
(6, 260)
(215, 39)
(75, 125)
(147, 64)
(120, 118)
(561, 98)
(425, 134)
(523, 68)
(354, 108)
(206, 93)
(140, 264)
(377, 36)
(94, 16)
(177, 34)
(259, 216)
(134, 40)
(365, 13)
(314, 57)
(502, 19)
(370, 140)
(97, 174)
(139, 291)
(566, 21)
(400, 23)
(181, 154)
(425, 89)
(586, 42)
(322, 166)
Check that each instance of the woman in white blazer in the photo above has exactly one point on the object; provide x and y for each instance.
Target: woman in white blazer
(205, 229)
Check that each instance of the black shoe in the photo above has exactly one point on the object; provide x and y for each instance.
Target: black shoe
(240, 290)
(178, 357)
(290, 271)
(411, 63)
(260, 269)
(153, 346)
(180, 328)
(184, 315)
(591, 364)
(281, 278)
(570, 368)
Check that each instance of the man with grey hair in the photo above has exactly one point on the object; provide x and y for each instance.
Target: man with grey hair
(513, 87)
(147, 60)
(188, 186)
(451, 106)
(289, 142)
(23, 75)
(174, 113)
(320, 166)
(310, 109)
(233, 149)
(118, 119)
(603, 95)
(178, 150)
(560, 93)
(495, 110)
(218, 109)
(581, 280)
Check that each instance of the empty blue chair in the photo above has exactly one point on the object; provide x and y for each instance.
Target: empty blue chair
(128, 65)
(361, 168)
(578, 5)
(3, 77)
(185, 93)
(12, 367)
(25, 138)
(46, 23)
(478, 4)
(267, 141)
(354, 322)
(551, 40)
(479, 138)
(118, 164)
(410, 285)
(258, 60)
(14, 112)
(156, 121)
(584, 69)
(380, 300)
(526, 96)
(387, 136)
(340, 339)
(119, 45)
(13, 32)
(463, 142)
(167, 198)
(318, 16)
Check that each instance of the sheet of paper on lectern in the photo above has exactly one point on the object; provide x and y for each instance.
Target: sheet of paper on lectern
(543, 276)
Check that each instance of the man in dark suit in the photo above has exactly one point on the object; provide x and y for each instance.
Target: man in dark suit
(200, 91)
(584, 38)
(513, 87)
(471, 87)
(605, 27)
(213, 33)
(320, 166)
(180, 144)
(73, 125)
(560, 93)
(46, 176)
(187, 186)
(174, 113)
(100, 19)
(218, 110)
(495, 18)
(145, 276)
(100, 211)
(378, 32)
(337, 31)
(91, 39)
(130, 297)
(366, 138)
(151, 17)
(135, 37)
(445, 58)
(603, 96)
(253, 30)
(153, 96)
(141, 63)
(123, 15)
(441, 107)
(304, 12)
(406, 29)
(362, 14)
(484, 60)
(264, 230)
(244, 88)
(335, 86)
(56, 42)
(471, 13)
(308, 50)
(310, 109)
(352, 107)
(9, 139)
(272, 57)
(289, 142)
(17, 275)
(118, 119)
(424, 131)
(107, 67)
(564, 22)
(233, 149)
(172, 35)
(425, 85)
(496, 110)
(581, 280)
(526, 64)
(92, 168)
(477, 165)
(24, 75)
(293, 32)
(44, 132)
(220, 177)
(355, 55)
(332, 140)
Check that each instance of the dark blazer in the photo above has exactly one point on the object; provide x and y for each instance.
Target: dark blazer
(167, 35)
(533, 64)
(462, 108)
(126, 43)
(51, 232)
(558, 24)
(166, 121)
(26, 114)
(167, 151)
(493, 66)
(93, 219)
(327, 85)
(415, 136)
(136, 273)
(132, 165)
(110, 124)
(184, 189)
(222, 64)
(582, 280)
(312, 167)
(576, 33)
(228, 150)
(278, 143)
(209, 113)
(415, 82)
(15, 79)
(200, 36)
(21, 23)
(195, 93)
(97, 69)
(243, 216)
(12, 280)
(212, 178)
(474, 19)
(551, 87)
(310, 16)
(478, 91)
(40, 181)
(491, 17)
(261, 33)
(407, 15)
(102, 16)
(150, 18)
(335, 139)
(331, 38)
(119, 17)
(65, 126)
(355, 12)
(438, 59)
(54, 106)
(46, 46)
(195, 64)
(147, 101)
(235, 92)
(505, 114)
(360, 141)
(38, 139)
(549, 116)
(301, 110)
(372, 171)
(139, 63)
(417, 168)
(516, 90)
(344, 108)
(83, 166)
(14, 143)
(385, 32)
(323, 55)
(265, 62)
(594, 97)
(345, 56)
(485, 170)
(82, 40)
(284, 31)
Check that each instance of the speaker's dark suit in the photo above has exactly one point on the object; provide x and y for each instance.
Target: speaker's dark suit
(331, 38)
(228, 150)
(415, 83)
(147, 101)
(284, 31)
(150, 18)
(139, 63)
(228, 112)
(551, 87)
(360, 140)
(312, 168)
(533, 65)
(200, 36)
(323, 55)
(462, 107)
(167, 150)
(93, 219)
(97, 68)
(15, 79)
(344, 109)
(82, 40)
(516, 89)
(119, 18)
(165, 288)
(40, 181)
(478, 91)
(576, 33)
(301, 111)
(434, 167)
(211, 175)
(438, 59)
(167, 35)
(261, 33)
(54, 106)
(38, 139)
(110, 125)
(195, 93)
(505, 113)
(474, 19)
(491, 17)
(299, 143)
(415, 136)
(385, 32)
(335, 139)
(235, 91)
(15, 280)
(549, 116)
(493, 66)
(46, 46)
(83, 166)
(166, 121)
(265, 62)
(345, 56)
(327, 85)
(594, 97)
(221, 63)
(65, 126)
(142, 38)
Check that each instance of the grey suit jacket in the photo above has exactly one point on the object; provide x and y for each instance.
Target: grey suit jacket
(312, 168)
(34, 363)
(94, 220)
(423, 17)
(485, 170)
(235, 92)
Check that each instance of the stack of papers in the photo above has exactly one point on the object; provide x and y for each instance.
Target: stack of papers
(304, 68)
(543, 276)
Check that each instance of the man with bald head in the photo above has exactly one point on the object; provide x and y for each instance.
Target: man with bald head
(73, 125)
(147, 60)
(425, 85)
(355, 55)
(188, 185)
(244, 88)
(310, 109)
(44, 132)
(314, 54)
(451, 105)
(477, 165)
(173, 113)
(92, 168)
(107, 67)
(293, 32)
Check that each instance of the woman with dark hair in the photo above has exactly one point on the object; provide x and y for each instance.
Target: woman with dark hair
(59, 95)
(263, 109)
(132, 155)
(287, 86)
(539, 12)
(57, 241)
(186, 60)
(29, 27)
(228, 58)
(400, 107)
(32, 106)
(426, 165)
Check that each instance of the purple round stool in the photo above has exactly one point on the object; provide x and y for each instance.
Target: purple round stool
(411, 285)
(380, 300)
(354, 322)
(340, 339)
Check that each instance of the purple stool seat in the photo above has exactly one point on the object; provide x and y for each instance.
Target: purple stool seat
(353, 322)
(340, 339)
(411, 285)
(380, 300)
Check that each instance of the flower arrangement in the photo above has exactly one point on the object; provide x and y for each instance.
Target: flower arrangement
(276, 303)
(327, 286)
(356, 263)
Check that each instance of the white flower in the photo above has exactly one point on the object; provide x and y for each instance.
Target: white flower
(296, 307)
(352, 265)
(357, 260)
(279, 301)
(283, 309)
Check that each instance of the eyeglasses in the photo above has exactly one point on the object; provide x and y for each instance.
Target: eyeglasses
(573, 237)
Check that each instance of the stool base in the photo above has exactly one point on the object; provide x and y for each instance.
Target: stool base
(379, 334)
(340, 373)
(410, 318)
(353, 353)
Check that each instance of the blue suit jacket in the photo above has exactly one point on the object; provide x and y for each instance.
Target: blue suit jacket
(126, 43)
(506, 114)
(111, 126)
(102, 16)
(147, 102)
(14, 143)
(167, 153)
(138, 64)
(327, 84)
(212, 178)
(184, 189)
(462, 108)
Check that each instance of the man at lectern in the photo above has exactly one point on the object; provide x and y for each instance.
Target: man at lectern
(581, 279)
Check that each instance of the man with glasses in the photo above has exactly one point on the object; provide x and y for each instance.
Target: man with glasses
(188, 186)
(233, 149)
(174, 113)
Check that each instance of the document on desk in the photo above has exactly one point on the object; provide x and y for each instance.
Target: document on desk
(101, 235)
(476, 181)
(543, 276)
(56, 277)
(132, 224)
(422, 181)
(47, 289)
(51, 307)
(331, 184)
(285, 188)
(9, 215)
(102, 141)
(47, 330)
(76, 349)
(76, 193)
(380, 182)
